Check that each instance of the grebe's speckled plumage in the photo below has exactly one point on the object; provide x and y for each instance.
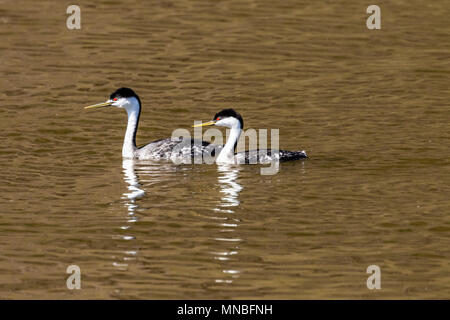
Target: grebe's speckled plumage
(169, 148)
(233, 120)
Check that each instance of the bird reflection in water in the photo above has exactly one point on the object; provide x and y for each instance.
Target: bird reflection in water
(224, 213)
(133, 193)
(134, 190)
(154, 173)
(229, 190)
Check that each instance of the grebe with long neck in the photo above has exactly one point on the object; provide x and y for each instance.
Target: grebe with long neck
(126, 98)
(233, 120)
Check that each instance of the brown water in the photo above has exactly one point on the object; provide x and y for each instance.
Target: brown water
(371, 108)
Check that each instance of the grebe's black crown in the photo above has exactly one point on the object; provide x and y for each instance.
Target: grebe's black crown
(226, 113)
(123, 93)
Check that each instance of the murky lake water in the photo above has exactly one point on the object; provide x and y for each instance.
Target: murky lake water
(371, 108)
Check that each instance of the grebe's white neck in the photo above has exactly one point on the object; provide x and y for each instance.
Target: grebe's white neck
(226, 155)
(133, 109)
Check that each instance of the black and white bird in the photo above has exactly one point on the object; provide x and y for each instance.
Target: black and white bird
(233, 120)
(169, 148)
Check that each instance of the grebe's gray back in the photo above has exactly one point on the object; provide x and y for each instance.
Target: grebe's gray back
(168, 148)
(233, 120)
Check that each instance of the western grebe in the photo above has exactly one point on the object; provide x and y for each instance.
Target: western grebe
(233, 120)
(168, 148)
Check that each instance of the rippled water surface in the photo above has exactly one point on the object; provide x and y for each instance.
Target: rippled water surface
(371, 108)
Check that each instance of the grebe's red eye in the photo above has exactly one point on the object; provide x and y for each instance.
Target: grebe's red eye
(217, 119)
(115, 99)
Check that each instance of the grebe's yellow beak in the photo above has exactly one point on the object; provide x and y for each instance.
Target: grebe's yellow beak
(98, 105)
(210, 123)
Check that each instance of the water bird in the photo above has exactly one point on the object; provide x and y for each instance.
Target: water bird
(168, 148)
(227, 155)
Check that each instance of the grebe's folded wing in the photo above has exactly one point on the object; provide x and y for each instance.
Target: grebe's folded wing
(268, 155)
(178, 147)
